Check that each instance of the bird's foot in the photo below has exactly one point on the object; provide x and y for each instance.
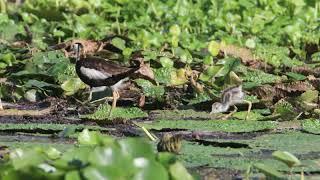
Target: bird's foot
(115, 96)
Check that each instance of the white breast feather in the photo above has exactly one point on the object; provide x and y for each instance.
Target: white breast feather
(94, 74)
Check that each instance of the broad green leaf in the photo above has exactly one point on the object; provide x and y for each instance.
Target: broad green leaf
(286, 158)
(269, 171)
(119, 43)
(214, 48)
(87, 137)
(136, 148)
(149, 169)
(178, 77)
(53, 153)
(175, 30)
(72, 86)
(309, 96)
(183, 54)
(72, 175)
(179, 172)
(250, 43)
(149, 89)
(166, 62)
(100, 173)
(25, 158)
(296, 76)
(166, 158)
(8, 58)
(163, 75)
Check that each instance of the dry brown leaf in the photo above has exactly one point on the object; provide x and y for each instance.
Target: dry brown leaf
(246, 57)
(18, 112)
(282, 90)
(305, 70)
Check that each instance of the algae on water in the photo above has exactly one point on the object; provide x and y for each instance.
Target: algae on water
(103, 110)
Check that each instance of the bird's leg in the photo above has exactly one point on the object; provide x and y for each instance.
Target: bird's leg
(115, 97)
(235, 109)
(249, 108)
(1, 107)
(90, 95)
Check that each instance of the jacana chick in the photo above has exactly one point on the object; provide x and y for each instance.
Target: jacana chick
(230, 97)
(98, 72)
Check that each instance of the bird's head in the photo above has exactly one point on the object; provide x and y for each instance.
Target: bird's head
(218, 107)
(77, 49)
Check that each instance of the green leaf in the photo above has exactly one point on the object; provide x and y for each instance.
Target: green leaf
(179, 172)
(149, 89)
(208, 60)
(8, 58)
(87, 137)
(119, 43)
(296, 76)
(101, 173)
(214, 48)
(136, 148)
(72, 85)
(53, 153)
(211, 72)
(309, 96)
(149, 169)
(289, 159)
(269, 171)
(25, 158)
(250, 43)
(183, 54)
(163, 75)
(110, 156)
(166, 159)
(316, 57)
(166, 62)
(175, 30)
(72, 175)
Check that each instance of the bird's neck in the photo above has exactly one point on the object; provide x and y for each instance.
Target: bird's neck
(225, 107)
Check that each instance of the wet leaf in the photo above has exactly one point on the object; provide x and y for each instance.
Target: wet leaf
(269, 171)
(287, 158)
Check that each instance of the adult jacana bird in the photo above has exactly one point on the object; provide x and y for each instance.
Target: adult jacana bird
(98, 72)
(230, 97)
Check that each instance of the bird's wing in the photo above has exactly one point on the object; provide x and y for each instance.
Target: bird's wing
(98, 68)
(94, 74)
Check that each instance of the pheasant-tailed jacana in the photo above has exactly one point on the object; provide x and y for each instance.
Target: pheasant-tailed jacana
(230, 97)
(98, 72)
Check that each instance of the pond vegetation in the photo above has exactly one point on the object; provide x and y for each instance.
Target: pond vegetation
(195, 50)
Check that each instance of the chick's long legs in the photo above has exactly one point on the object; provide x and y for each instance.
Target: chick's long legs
(249, 108)
(115, 97)
(235, 109)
